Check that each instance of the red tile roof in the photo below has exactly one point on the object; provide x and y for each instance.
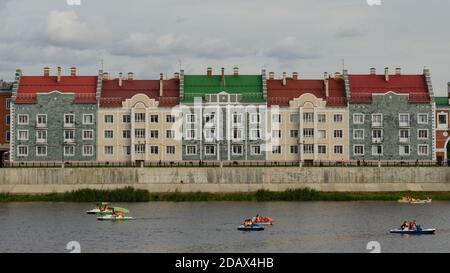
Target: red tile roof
(363, 86)
(84, 87)
(277, 94)
(113, 95)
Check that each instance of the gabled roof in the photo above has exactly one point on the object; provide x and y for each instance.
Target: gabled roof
(277, 94)
(113, 95)
(362, 87)
(84, 87)
(249, 86)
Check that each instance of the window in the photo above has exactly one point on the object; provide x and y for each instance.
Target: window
(126, 118)
(358, 150)
(69, 135)
(190, 118)
(255, 134)
(255, 118)
(88, 119)
(41, 136)
(404, 150)
(294, 149)
(139, 133)
(88, 134)
(338, 149)
(358, 118)
(422, 149)
(126, 150)
(139, 117)
(22, 119)
(154, 150)
(191, 150)
(377, 120)
(8, 103)
(109, 150)
(109, 134)
(337, 118)
(276, 118)
(154, 118)
(321, 118)
(237, 118)
(276, 133)
(237, 133)
(358, 134)
(69, 120)
(69, 150)
(337, 133)
(41, 150)
(8, 136)
(322, 134)
(170, 134)
(22, 150)
(403, 119)
(308, 132)
(442, 120)
(88, 150)
(170, 150)
(308, 148)
(377, 150)
(294, 118)
(236, 149)
(422, 118)
(322, 149)
(41, 120)
(8, 119)
(210, 134)
(126, 134)
(423, 134)
(404, 135)
(154, 134)
(308, 117)
(109, 119)
(377, 135)
(22, 135)
(139, 148)
(210, 150)
(276, 149)
(170, 118)
(210, 118)
(294, 133)
(190, 134)
(255, 150)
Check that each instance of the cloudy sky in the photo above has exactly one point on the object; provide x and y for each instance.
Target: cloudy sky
(152, 36)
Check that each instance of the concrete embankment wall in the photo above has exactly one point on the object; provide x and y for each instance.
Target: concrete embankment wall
(230, 179)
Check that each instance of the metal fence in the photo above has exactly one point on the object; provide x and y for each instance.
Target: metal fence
(244, 164)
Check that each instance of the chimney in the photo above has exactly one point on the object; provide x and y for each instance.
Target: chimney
(46, 72)
(120, 79)
(106, 76)
(337, 76)
(130, 76)
(58, 78)
(373, 71)
(209, 71)
(326, 83)
(398, 71)
(295, 75)
(236, 71)
(73, 71)
(284, 79)
(271, 75)
(161, 84)
(176, 75)
(386, 74)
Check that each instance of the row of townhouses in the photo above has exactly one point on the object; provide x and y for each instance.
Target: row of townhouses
(223, 117)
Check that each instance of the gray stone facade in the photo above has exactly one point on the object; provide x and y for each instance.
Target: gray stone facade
(391, 106)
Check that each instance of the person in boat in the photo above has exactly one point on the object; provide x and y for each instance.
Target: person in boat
(403, 226)
(248, 223)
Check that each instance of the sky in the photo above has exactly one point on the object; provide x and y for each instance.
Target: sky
(149, 37)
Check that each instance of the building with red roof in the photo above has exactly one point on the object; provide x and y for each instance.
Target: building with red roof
(5, 120)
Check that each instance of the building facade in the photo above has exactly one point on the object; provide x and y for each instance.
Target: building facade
(308, 119)
(391, 116)
(5, 120)
(139, 120)
(224, 116)
(443, 127)
(54, 117)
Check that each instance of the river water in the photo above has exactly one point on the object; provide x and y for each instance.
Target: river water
(211, 227)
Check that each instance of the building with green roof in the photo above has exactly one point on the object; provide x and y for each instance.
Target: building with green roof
(442, 127)
(232, 109)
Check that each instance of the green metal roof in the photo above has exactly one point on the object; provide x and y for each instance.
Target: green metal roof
(441, 101)
(249, 86)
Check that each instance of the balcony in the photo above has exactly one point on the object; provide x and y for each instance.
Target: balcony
(377, 124)
(404, 140)
(377, 140)
(69, 125)
(41, 140)
(41, 125)
(404, 124)
(69, 140)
